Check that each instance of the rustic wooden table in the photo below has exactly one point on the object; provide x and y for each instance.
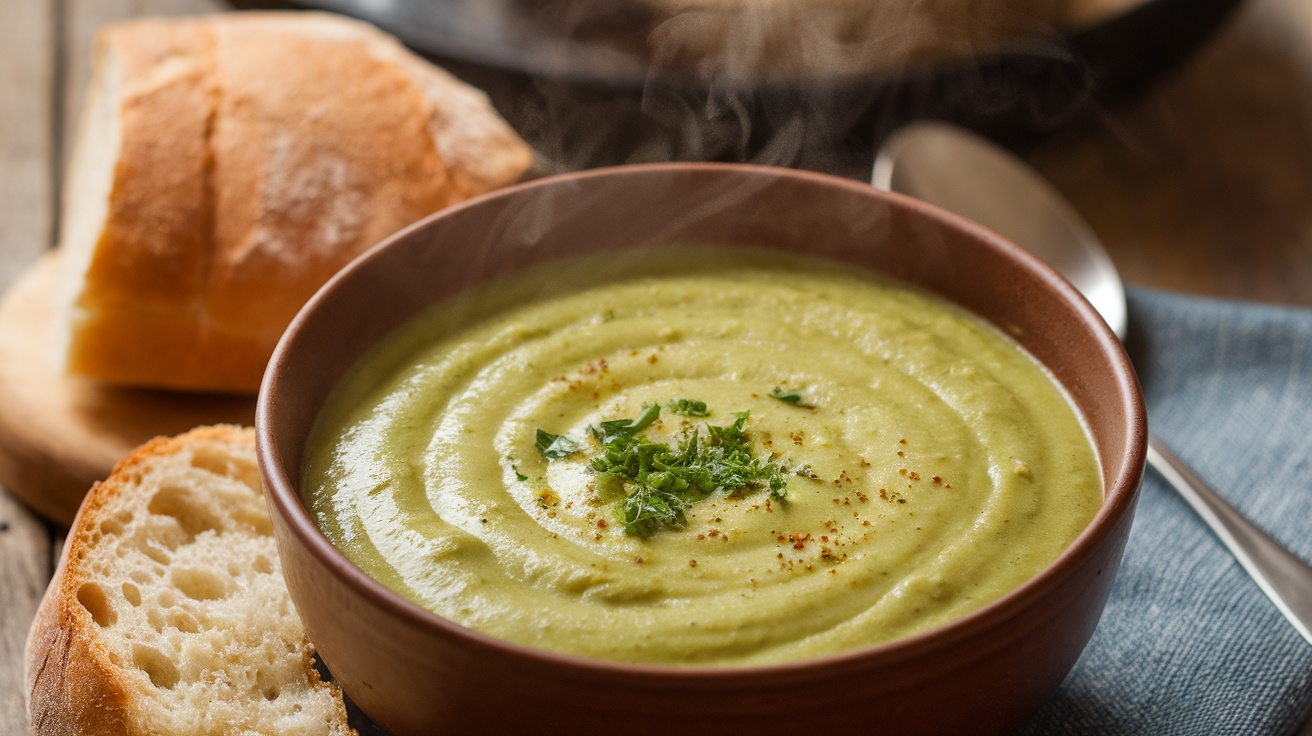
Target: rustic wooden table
(1204, 185)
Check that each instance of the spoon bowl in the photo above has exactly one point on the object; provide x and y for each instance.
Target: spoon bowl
(914, 162)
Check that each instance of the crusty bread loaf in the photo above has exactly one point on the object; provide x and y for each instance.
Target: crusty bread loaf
(228, 165)
(168, 614)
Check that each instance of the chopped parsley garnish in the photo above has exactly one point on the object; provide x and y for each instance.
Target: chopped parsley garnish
(656, 483)
(792, 397)
(555, 446)
(518, 475)
(688, 408)
(626, 427)
(659, 482)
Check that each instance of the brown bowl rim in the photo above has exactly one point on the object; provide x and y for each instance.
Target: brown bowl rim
(1118, 500)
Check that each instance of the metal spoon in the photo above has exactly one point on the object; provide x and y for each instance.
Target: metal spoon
(968, 175)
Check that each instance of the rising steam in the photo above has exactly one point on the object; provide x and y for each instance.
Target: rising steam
(778, 82)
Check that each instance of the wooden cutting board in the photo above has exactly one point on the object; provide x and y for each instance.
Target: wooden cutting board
(58, 433)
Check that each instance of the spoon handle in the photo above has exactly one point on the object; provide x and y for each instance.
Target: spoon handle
(1286, 579)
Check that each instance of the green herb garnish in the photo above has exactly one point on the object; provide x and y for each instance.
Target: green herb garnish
(688, 408)
(555, 446)
(625, 427)
(792, 397)
(518, 475)
(660, 483)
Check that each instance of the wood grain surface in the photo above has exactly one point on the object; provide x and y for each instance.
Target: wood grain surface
(1203, 185)
(27, 130)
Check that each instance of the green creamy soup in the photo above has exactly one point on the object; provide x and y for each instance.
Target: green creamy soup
(899, 462)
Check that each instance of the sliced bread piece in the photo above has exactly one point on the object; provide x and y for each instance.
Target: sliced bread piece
(168, 614)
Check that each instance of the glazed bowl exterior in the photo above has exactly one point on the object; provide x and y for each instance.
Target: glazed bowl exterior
(415, 673)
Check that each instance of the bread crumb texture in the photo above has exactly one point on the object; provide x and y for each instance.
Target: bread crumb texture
(169, 614)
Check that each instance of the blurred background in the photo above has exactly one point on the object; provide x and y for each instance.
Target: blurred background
(1182, 129)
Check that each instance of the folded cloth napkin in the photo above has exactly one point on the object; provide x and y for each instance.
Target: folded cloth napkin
(1188, 644)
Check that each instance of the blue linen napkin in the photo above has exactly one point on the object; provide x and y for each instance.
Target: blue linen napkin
(1188, 644)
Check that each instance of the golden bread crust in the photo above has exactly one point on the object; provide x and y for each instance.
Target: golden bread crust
(260, 153)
